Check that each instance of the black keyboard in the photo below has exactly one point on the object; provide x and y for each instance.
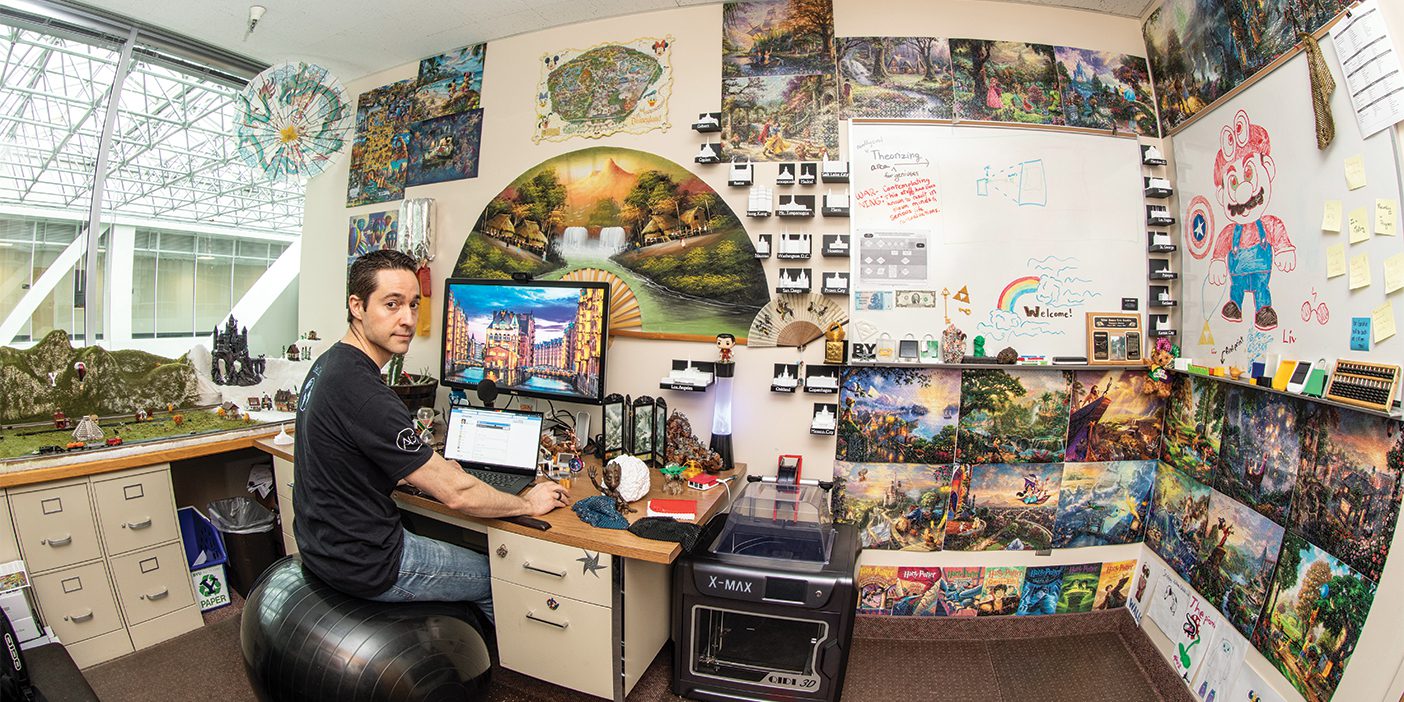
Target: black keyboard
(506, 482)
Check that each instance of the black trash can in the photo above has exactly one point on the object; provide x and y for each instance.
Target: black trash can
(250, 537)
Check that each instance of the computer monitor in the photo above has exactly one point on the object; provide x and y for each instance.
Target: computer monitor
(535, 338)
(494, 439)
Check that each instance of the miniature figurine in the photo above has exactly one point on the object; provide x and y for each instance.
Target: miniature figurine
(267, 402)
(312, 335)
(952, 344)
(1007, 356)
(687, 449)
(60, 420)
(88, 429)
(293, 352)
(81, 369)
(141, 415)
(610, 488)
(1235, 372)
(725, 342)
(979, 346)
(834, 344)
(179, 419)
(673, 483)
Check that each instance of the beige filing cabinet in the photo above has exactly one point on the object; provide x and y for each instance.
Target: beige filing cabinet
(105, 557)
(283, 486)
(561, 609)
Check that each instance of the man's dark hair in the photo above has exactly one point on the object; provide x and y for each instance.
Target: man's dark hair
(361, 279)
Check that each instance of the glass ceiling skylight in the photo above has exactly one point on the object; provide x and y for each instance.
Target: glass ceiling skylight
(173, 157)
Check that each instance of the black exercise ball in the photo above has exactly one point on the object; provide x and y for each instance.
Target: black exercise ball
(304, 641)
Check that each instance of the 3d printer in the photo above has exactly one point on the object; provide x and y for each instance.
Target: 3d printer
(766, 611)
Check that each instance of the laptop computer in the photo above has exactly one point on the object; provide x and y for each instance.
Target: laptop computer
(497, 446)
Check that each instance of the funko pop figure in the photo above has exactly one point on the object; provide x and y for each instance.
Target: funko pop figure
(725, 342)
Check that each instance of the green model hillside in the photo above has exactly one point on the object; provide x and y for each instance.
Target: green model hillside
(117, 382)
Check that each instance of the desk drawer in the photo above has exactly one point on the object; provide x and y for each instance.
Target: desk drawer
(550, 567)
(9, 547)
(78, 602)
(55, 526)
(568, 645)
(153, 582)
(136, 509)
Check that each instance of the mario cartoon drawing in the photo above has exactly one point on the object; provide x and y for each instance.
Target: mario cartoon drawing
(1246, 250)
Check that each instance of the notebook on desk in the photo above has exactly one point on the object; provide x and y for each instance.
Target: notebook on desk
(497, 446)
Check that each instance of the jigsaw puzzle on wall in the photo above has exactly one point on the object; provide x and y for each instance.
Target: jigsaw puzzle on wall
(1007, 506)
(903, 415)
(1103, 503)
(1194, 423)
(894, 505)
(1114, 416)
(1013, 416)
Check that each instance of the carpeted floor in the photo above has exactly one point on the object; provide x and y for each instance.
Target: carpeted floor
(1077, 658)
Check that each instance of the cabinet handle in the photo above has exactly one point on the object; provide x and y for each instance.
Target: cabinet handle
(137, 525)
(66, 540)
(158, 595)
(559, 574)
(80, 618)
(531, 614)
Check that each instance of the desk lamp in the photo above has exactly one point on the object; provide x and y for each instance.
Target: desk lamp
(721, 411)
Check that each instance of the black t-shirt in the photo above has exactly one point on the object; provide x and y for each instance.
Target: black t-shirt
(355, 440)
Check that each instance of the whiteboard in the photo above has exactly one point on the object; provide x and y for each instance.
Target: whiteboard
(1304, 179)
(1038, 227)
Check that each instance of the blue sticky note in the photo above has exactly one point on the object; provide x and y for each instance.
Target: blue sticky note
(1359, 333)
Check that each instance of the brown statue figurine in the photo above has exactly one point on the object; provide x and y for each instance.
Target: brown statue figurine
(610, 488)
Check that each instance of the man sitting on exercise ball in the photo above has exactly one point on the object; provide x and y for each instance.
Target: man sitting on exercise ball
(356, 440)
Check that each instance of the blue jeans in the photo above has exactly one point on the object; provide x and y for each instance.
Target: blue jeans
(438, 572)
(1256, 283)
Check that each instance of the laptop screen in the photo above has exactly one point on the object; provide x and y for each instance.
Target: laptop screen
(493, 438)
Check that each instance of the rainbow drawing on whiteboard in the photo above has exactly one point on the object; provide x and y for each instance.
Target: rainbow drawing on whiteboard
(1016, 289)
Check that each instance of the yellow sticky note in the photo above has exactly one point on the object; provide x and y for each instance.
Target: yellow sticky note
(1335, 261)
(1382, 321)
(1386, 217)
(1394, 273)
(1359, 271)
(1359, 226)
(1331, 216)
(1355, 172)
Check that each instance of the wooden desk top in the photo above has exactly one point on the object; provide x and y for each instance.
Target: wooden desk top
(43, 469)
(566, 526)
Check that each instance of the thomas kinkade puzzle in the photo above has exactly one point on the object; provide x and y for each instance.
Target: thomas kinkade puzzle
(1103, 503)
(1008, 506)
(1262, 449)
(894, 506)
(902, 415)
(1013, 416)
(1194, 421)
(1347, 500)
(1113, 417)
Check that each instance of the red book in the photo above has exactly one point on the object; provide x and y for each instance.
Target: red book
(677, 509)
